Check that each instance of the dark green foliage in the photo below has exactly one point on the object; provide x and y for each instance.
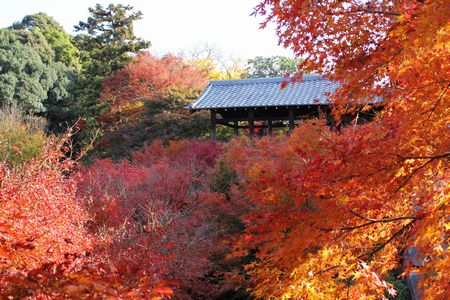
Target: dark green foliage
(106, 42)
(40, 21)
(61, 108)
(399, 284)
(275, 66)
(59, 40)
(29, 76)
(222, 178)
(224, 133)
(24, 75)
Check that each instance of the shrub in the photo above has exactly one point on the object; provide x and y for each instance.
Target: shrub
(41, 226)
(46, 249)
(155, 218)
(21, 136)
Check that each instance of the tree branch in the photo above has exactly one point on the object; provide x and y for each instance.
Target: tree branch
(437, 102)
(432, 157)
(364, 10)
(381, 12)
(377, 248)
(377, 221)
(421, 86)
(411, 175)
(370, 221)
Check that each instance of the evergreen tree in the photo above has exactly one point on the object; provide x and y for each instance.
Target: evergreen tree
(106, 41)
(274, 66)
(30, 78)
(59, 40)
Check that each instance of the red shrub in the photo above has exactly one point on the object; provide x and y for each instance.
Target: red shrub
(41, 225)
(201, 154)
(155, 216)
(149, 227)
(46, 251)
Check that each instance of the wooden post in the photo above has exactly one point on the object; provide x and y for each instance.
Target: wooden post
(251, 122)
(213, 124)
(236, 128)
(269, 127)
(291, 118)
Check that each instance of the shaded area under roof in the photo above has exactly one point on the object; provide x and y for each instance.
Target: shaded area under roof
(264, 92)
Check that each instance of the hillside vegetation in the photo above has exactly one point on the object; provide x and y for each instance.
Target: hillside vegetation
(111, 189)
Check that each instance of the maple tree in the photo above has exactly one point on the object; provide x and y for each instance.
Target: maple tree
(148, 78)
(336, 210)
(146, 100)
(328, 212)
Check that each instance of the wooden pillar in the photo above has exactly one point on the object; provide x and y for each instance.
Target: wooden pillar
(291, 118)
(213, 124)
(236, 128)
(251, 122)
(269, 127)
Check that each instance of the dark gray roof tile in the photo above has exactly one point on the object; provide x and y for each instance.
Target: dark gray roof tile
(264, 92)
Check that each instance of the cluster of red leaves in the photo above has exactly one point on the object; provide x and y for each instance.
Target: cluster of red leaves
(42, 234)
(148, 78)
(155, 220)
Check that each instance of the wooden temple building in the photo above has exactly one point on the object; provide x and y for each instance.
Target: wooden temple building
(261, 103)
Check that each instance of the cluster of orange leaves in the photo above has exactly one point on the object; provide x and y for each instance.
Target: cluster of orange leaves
(336, 210)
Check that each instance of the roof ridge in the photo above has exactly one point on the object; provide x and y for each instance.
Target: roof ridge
(309, 77)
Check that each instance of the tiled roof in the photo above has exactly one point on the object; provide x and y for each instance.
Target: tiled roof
(264, 92)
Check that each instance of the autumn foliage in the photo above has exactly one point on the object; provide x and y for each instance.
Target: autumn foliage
(328, 219)
(323, 213)
(42, 233)
(156, 221)
(152, 227)
(336, 210)
(146, 101)
(147, 78)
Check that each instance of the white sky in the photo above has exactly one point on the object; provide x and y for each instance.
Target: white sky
(170, 25)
